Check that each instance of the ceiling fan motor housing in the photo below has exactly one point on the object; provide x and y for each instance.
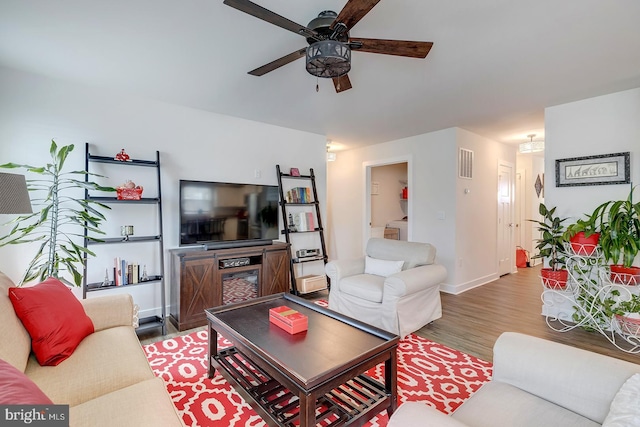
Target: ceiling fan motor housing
(322, 25)
(328, 59)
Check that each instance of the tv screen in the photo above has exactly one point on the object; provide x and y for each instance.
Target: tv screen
(222, 213)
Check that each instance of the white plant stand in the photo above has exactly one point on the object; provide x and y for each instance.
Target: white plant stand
(585, 301)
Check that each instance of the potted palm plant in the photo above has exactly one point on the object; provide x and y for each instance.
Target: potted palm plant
(59, 219)
(550, 248)
(619, 223)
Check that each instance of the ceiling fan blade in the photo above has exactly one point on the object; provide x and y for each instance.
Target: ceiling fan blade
(342, 83)
(411, 49)
(354, 11)
(278, 62)
(273, 18)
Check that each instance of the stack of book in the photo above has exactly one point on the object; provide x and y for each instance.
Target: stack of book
(125, 273)
(299, 195)
(304, 221)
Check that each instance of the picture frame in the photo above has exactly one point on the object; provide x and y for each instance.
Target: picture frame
(294, 172)
(604, 169)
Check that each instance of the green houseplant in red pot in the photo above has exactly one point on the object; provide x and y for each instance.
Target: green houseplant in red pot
(619, 223)
(583, 236)
(550, 248)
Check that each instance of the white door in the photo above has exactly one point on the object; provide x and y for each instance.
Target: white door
(506, 249)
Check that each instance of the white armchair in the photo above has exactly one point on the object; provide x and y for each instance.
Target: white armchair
(368, 288)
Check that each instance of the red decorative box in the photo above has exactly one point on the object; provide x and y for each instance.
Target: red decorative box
(288, 319)
(129, 193)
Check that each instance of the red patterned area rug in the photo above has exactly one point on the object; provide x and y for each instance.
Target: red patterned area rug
(428, 372)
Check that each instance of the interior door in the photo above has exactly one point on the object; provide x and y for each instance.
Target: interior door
(506, 248)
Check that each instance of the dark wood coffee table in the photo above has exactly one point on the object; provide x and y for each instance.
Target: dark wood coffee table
(305, 378)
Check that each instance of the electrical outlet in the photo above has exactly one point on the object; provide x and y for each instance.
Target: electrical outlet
(257, 173)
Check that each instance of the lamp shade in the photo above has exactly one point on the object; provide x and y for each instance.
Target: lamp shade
(14, 196)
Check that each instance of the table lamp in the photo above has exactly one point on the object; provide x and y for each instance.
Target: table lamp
(14, 196)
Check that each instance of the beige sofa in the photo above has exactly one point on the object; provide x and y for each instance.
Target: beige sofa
(541, 383)
(400, 302)
(107, 380)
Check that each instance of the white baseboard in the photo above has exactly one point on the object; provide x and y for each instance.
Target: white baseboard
(463, 287)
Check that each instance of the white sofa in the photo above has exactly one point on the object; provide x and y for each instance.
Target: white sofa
(400, 303)
(539, 383)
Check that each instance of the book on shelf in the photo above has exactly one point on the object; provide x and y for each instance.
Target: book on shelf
(125, 273)
(304, 221)
(299, 195)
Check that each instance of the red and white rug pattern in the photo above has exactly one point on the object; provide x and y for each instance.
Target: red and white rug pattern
(427, 372)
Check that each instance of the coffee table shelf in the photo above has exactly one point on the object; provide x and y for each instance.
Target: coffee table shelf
(337, 407)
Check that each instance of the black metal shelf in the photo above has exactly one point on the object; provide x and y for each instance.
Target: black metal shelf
(315, 230)
(154, 321)
(131, 162)
(149, 323)
(308, 259)
(97, 286)
(311, 179)
(131, 239)
(299, 203)
(144, 200)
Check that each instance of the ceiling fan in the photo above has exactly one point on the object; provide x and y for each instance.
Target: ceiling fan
(329, 52)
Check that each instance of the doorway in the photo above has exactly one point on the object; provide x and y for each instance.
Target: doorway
(506, 249)
(386, 208)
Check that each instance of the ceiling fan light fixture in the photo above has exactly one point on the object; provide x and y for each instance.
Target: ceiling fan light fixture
(328, 59)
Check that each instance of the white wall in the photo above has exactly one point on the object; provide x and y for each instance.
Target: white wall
(466, 236)
(193, 144)
(602, 125)
(476, 225)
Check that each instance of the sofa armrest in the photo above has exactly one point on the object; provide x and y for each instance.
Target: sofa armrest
(339, 269)
(109, 311)
(413, 280)
(581, 381)
(420, 414)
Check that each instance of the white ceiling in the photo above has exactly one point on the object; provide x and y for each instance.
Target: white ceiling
(494, 67)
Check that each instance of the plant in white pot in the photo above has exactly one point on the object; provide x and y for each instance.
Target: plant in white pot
(627, 314)
(550, 248)
(61, 216)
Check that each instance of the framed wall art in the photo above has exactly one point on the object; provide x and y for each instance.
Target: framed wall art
(593, 170)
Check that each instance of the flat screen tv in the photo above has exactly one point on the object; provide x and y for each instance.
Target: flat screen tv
(223, 214)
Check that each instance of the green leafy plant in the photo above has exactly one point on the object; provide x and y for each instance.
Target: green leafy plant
(632, 305)
(59, 220)
(619, 223)
(551, 242)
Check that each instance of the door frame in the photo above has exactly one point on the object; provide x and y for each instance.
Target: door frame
(512, 267)
(366, 180)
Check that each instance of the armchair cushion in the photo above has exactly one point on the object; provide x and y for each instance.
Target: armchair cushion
(381, 267)
(364, 286)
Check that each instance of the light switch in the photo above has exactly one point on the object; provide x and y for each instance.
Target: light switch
(441, 215)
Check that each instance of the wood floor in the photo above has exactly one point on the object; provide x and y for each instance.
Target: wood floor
(472, 321)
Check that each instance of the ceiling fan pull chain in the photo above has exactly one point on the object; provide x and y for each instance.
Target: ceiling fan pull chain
(317, 84)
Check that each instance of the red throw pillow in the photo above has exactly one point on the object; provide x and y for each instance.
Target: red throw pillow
(54, 318)
(18, 389)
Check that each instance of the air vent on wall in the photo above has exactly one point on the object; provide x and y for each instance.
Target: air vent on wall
(465, 163)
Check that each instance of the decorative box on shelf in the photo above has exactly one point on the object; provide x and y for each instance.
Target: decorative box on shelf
(129, 193)
(288, 319)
